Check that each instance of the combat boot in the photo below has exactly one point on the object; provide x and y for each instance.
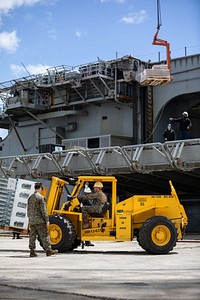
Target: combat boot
(88, 244)
(18, 237)
(51, 252)
(32, 253)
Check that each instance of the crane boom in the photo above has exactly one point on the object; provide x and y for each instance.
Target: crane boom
(159, 74)
(159, 42)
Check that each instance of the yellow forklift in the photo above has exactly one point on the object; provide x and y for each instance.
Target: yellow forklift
(157, 221)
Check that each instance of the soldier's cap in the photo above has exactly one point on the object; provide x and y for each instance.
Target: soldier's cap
(38, 185)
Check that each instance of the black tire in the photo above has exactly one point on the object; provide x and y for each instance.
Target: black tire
(62, 233)
(158, 235)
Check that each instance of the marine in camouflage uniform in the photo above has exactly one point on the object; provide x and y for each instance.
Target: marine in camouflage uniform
(98, 200)
(38, 222)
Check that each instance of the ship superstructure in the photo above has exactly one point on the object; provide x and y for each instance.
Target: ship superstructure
(92, 105)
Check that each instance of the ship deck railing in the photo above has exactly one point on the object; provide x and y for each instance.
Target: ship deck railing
(180, 155)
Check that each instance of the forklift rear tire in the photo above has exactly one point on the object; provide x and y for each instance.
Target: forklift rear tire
(62, 233)
(158, 235)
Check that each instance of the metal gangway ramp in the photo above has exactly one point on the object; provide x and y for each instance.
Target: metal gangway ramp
(143, 158)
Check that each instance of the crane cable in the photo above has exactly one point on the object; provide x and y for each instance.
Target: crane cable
(159, 20)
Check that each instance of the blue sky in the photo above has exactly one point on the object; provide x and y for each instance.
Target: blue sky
(44, 33)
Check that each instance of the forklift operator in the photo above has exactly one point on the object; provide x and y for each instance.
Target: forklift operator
(98, 201)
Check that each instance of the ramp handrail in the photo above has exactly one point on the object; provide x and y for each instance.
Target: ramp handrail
(142, 158)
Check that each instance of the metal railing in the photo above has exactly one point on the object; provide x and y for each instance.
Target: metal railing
(143, 158)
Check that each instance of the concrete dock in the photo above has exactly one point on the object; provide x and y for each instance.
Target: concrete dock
(109, 270)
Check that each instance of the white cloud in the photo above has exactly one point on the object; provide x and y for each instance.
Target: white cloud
(19, 70)
(7, 5)
(135, 18)
(52, 34)
(9, 41)
(80, 33)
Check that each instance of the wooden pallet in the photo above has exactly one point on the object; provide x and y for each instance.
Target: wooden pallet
(14, 229)
(153, 81)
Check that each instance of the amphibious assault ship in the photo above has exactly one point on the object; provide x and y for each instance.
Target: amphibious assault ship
(97, 118)
(67, 109)
(93, 105)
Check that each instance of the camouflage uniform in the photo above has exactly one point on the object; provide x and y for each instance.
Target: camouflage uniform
(38, 218)
(98, 201)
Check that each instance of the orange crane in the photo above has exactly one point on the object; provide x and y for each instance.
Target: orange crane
(159, 74)
(160, 42)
